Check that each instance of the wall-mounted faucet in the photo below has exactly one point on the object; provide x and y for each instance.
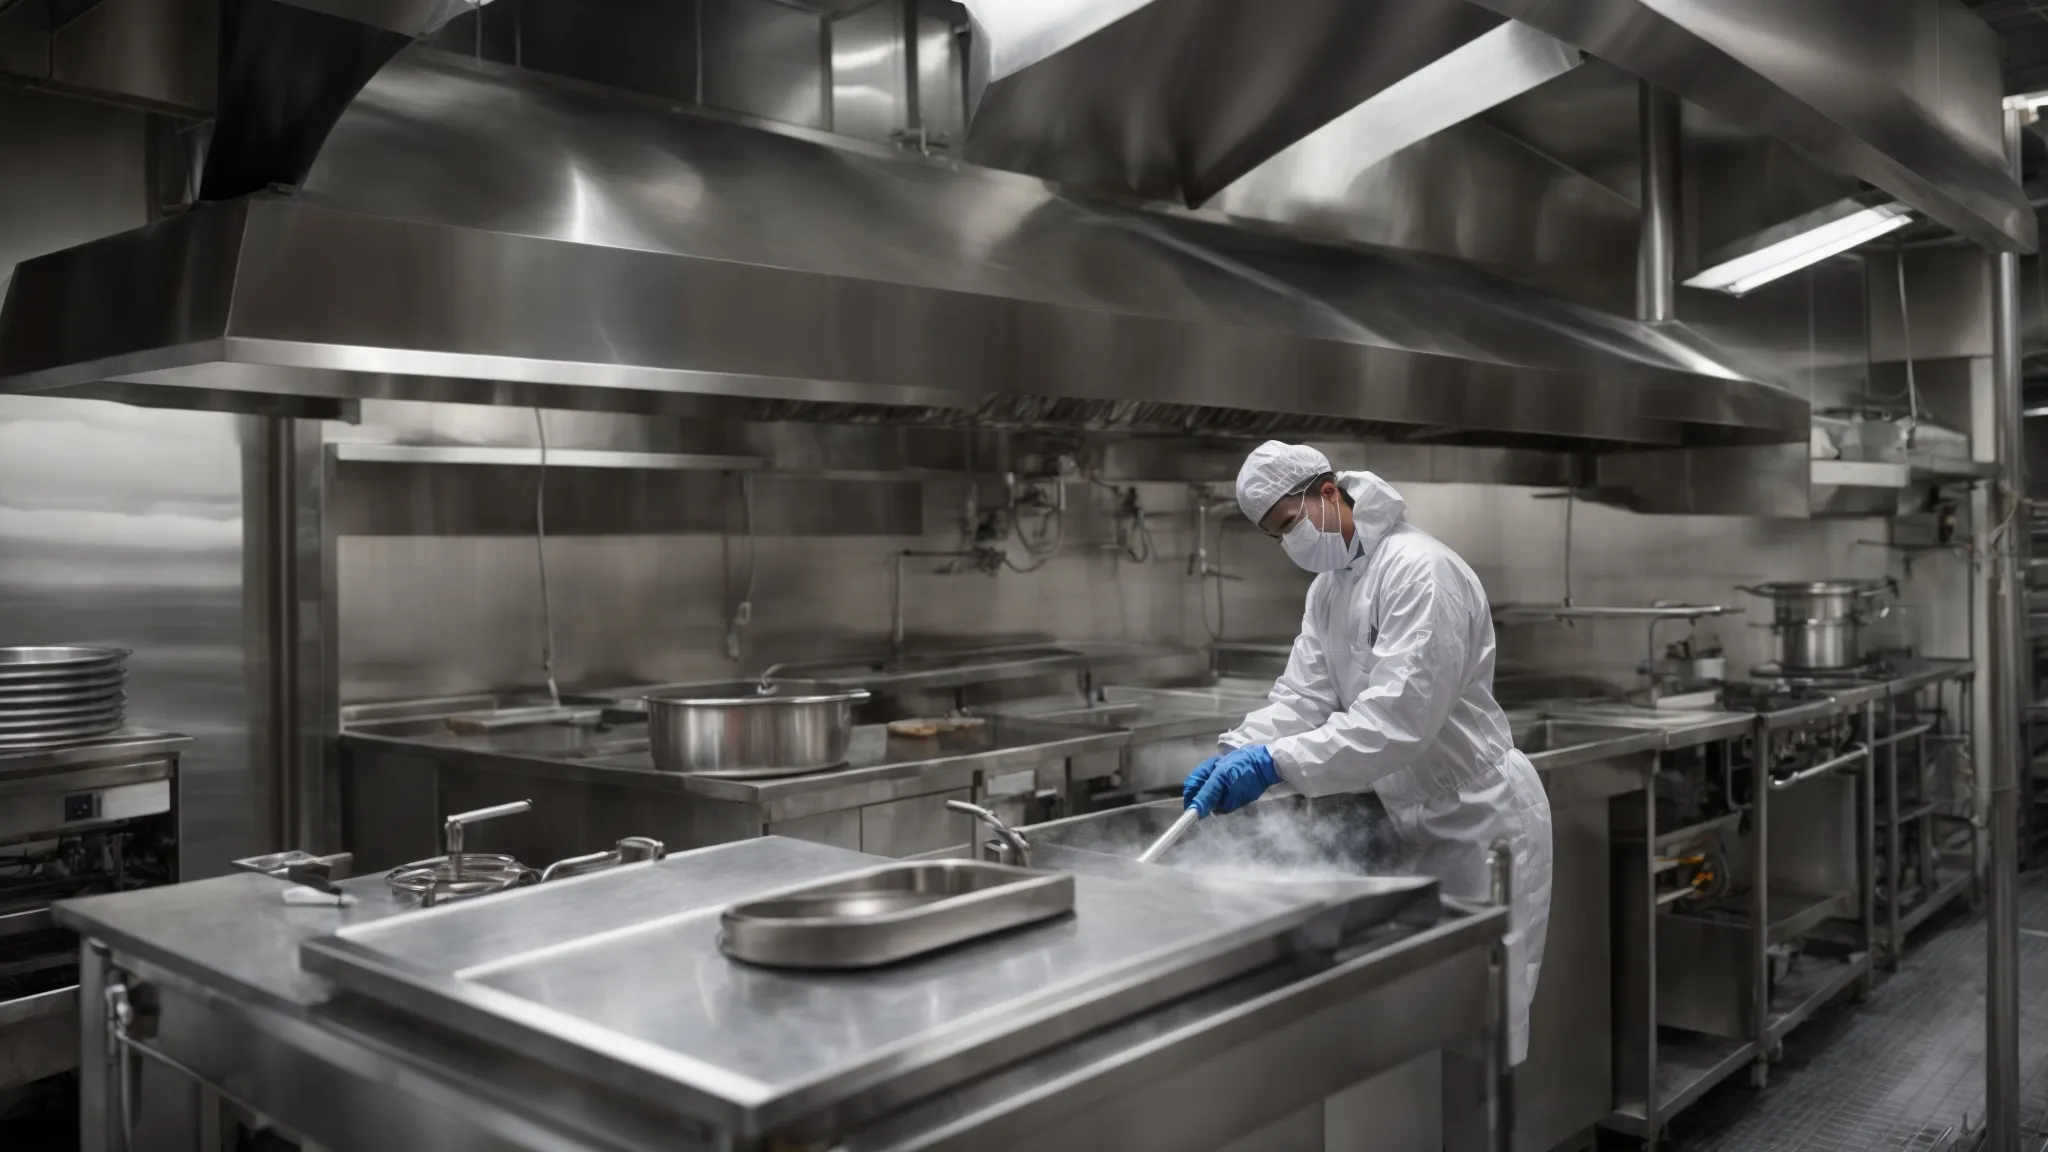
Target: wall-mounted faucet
(1019, 849)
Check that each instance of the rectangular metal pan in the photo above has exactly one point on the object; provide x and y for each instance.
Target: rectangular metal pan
(890, 914)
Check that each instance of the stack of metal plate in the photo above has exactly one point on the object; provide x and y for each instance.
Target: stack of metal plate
(52, 696)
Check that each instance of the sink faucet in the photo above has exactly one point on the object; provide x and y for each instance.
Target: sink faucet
(1017, 845)
(1199, 565)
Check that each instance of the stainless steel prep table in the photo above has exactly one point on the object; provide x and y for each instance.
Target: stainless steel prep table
(986, 1054)
(593, 785)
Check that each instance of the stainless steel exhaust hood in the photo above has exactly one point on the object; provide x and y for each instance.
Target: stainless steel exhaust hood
(1176, 99)
(483, 235)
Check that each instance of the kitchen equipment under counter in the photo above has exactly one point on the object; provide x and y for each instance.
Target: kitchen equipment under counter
(533, 1019)
(596, 783)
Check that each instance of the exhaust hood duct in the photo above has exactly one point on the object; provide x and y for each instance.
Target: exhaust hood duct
(288, 68)
(1177, 99)
(1905, 94)
(481, 234)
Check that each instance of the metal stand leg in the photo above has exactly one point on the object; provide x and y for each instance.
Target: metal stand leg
(1866, 829)
(1894, 851)
(1760, 912)
(1500, 1077)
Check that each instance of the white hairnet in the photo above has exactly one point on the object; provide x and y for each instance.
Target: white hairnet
(1273, 470)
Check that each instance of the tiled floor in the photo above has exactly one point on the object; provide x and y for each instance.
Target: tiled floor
(1904, 1072)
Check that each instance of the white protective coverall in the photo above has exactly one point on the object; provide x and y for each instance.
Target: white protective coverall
(1390, 689)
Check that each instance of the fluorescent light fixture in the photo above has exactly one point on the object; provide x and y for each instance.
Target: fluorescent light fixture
(1806, 240)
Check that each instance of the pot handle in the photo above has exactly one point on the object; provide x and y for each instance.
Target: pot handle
(1752, 590)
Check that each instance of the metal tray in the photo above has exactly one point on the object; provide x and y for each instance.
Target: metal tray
(890, 914)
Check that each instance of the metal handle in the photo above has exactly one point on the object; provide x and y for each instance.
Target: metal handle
(1821, 769)
(631, 850)
(1675, 896)
(451, 830)
(1171, 836)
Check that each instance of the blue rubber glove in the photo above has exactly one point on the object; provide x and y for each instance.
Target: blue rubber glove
(1195, 781)
(1238, 778)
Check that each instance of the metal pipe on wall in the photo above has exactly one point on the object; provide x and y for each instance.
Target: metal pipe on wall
(2008, 641)
(1658, 131)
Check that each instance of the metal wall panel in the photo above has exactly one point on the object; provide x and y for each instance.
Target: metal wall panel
(423, 614)
(123, 525)
(1948, 304)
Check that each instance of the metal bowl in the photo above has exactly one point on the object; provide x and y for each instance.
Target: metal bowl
(736, 730)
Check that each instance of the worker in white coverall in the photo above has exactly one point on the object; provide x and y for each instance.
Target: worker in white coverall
(1389, 689)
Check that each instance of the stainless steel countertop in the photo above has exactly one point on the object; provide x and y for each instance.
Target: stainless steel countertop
(1685, 728)
(1914, 675)
(125, 746)
(618, 756)
(234, 933)
(234, 941)
(1679, 729)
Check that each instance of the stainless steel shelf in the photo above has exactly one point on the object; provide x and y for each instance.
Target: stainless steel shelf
(1688, 1065)
(1667, 840)
(1813, 981)
(361, 453)
(1898, 474)
(1953, 883)
(1794, 913)
(1542, 613)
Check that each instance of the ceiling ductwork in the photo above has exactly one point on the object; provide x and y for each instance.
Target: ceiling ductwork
(481, 234)
(1905, 94)
(288, 68)
(1176, 99)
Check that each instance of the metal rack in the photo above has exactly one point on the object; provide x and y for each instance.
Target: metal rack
(1712, 978)
(1924, 807)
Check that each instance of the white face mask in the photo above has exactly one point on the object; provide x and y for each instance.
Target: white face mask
(1313, 548)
